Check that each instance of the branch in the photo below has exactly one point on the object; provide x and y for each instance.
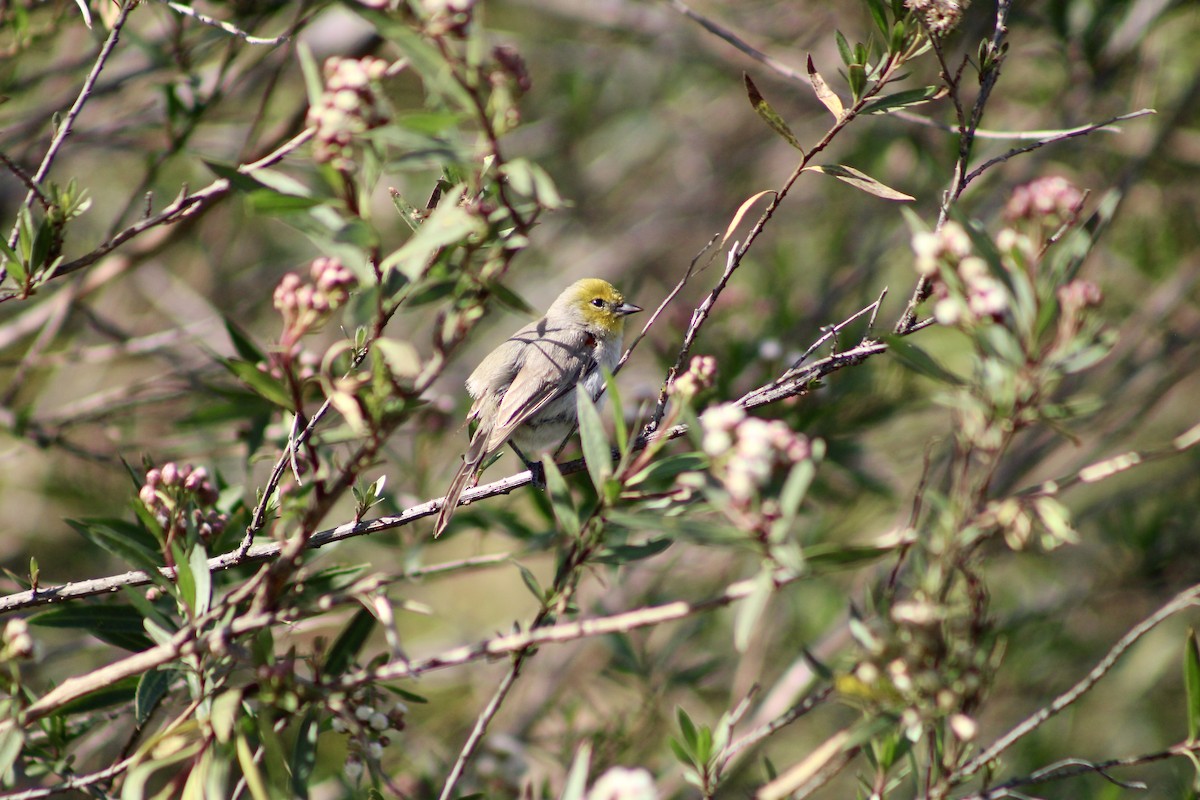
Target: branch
(561, 633)
(188, 11)
(64, 128)
(1056, 137)
(1186, 599)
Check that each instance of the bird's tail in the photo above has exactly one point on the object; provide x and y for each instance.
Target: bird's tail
(471, 461)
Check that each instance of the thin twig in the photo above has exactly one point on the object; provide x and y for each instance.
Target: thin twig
(562, 632)
(481, 725)
(663, 305)
(721, 32)
(68, 121)
(1186, 599)
(1059, 137)
(188, 11)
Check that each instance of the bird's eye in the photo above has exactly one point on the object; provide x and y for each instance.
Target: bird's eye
(598, 302)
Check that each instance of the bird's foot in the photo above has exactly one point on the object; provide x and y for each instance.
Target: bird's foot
(537, 475)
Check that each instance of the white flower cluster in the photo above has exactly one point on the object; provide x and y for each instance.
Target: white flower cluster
(349, 107)
(745, 450)
(699, 376)
(939, 16)
(621, 783)
(367, 719)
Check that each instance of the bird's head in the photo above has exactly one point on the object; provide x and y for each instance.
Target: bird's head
(595, 304)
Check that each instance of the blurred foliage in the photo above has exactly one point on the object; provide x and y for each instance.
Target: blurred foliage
(885, 542)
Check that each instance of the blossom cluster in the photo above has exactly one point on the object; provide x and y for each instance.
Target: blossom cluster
(180, 496)
(939, 16)
(622, 783)
(1052, 202)
(696, 378)
(746, 450)
(17, 643)
(367, 718)
(967, 290)
(350, 106)
(304, 306)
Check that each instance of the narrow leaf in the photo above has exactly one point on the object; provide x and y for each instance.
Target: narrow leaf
(741, 212)
(250, 771)
(919, 361)
(576, 784)
(560, 498)
(348, 643)
(824, 93)
(150, 690)
(769, 115)
(1191, 674)
(263, 384)
(596, 451)
(861, 180)
(122, 539)
(119, 625)
(304, 754)
(750, 610)
(909, 97)
(198, 561)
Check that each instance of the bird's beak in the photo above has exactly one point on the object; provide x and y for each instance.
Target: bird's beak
(628, 308)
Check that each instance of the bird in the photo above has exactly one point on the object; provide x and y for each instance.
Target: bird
(524, 390)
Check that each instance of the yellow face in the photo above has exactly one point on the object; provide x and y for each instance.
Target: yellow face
(599, 305)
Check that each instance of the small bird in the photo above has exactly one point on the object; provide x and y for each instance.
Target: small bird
(525, 389)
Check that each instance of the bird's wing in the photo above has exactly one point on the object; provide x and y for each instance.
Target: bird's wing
(555, 361)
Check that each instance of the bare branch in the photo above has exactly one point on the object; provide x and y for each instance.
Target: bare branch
(1184, 600)
(188, 11)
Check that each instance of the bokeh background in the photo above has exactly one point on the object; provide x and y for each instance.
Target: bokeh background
(641, 118)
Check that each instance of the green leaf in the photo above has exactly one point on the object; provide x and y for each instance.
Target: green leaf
(108, 695)
(560, 498)
(687, 728)
(224, 713)
(576, 783)
(349, 642)
(12, 743)
(448, 224)
(250, 770)
(839, 556)
(260, 382)
(274, 756)
(304, 753)
(750, 610)
(184, 578)
(124, 540)
(426, 61)
(531, 582)
(860, 180)
(618, 412)
(242, 343)
(198, 562)
(313, 84)
(119, 625)
(270, 201)
(795, 489)
(904, 99)
(843, 48)
(878, 15)
(1191, 678)
(597, 452)
(768, 114)
(151, 688)
(667, 469)
(619, 554)
(919, 361)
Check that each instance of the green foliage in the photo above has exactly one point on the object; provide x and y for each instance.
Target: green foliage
(284, 261)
